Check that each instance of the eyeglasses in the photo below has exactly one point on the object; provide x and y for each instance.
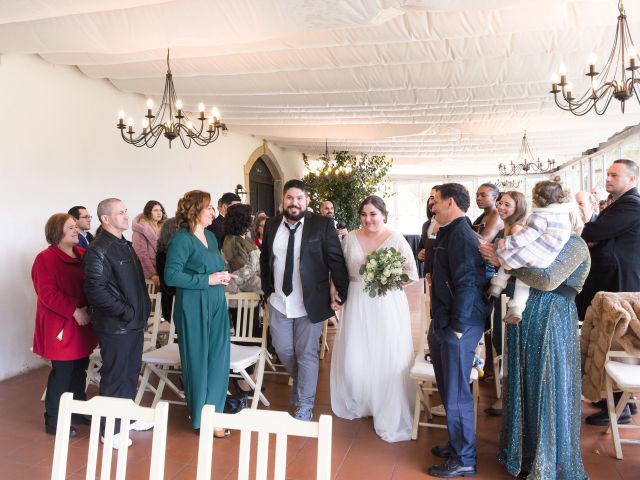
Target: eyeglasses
(86, 216)
(504, 204)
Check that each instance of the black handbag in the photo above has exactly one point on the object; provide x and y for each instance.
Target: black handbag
(236, 402)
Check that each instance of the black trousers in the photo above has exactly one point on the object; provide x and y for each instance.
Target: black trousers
(166, 302)
(121, 358)
(65, 376)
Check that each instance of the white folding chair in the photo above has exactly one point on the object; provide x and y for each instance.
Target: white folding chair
(324, 345)
(111, 408)
(153, 325)
(498, 362)
(151, 287)
(423, 374)
(626, 378)
(244, 356)
(163, 361)
(264, 422)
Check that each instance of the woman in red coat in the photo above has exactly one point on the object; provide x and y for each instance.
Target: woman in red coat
(62, 332)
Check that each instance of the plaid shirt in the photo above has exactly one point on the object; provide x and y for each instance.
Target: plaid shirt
(538, 243)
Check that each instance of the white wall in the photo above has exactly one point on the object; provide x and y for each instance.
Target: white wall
(60, 148)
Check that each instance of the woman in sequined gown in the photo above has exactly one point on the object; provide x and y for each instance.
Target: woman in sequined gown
(541, 418)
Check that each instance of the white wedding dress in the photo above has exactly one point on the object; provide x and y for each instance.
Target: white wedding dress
(373, 349)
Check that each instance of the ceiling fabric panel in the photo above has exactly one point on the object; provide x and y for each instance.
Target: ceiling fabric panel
(435, 84)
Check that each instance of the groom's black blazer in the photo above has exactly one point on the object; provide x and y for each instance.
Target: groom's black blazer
(320, 254)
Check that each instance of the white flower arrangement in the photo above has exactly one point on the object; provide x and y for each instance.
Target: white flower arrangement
(382, 271)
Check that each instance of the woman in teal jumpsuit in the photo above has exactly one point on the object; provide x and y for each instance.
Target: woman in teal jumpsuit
(194, 266)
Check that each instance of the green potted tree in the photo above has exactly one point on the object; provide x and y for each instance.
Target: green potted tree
(345, 180)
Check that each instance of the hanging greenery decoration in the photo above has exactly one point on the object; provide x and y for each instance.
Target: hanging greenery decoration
(346, 180)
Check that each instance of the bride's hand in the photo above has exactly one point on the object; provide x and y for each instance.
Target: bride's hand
(336, 301)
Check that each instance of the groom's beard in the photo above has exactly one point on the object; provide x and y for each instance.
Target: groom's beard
(290, 216)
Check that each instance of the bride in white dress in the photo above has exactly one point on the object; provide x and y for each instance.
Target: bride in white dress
(373, 349)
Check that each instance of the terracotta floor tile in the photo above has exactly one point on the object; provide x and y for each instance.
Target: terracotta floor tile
(358, 453)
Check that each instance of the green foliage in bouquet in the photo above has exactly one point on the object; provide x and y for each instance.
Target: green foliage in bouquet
(346, 180)
(382, 272)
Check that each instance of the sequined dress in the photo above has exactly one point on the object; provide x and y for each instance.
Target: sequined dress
(542, 404)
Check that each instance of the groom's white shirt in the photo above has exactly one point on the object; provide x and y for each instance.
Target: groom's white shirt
(293, 305)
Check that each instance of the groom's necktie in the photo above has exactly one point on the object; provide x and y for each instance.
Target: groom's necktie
(287, 281)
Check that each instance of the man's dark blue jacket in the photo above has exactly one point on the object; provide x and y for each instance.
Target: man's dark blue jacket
(458, 279)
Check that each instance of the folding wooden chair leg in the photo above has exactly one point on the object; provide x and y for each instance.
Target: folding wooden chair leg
(143, 384)
(324, 346)
(417, 408)
(613, 418)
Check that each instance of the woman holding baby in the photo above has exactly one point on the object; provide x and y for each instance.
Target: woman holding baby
(541, 413)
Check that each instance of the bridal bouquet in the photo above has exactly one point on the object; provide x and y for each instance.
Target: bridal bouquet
(382, 272)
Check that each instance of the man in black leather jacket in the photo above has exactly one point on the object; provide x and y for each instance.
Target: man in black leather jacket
(119, 304)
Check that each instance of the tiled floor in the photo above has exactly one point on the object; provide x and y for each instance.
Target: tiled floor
(26, 451)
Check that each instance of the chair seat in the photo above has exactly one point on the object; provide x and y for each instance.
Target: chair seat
(167, 355)
(243, 355)
(625, 375)
(423, 370)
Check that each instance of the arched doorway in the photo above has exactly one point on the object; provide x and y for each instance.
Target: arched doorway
(261, 188)
(262, 173)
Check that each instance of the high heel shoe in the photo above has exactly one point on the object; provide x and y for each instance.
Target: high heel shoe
(239, 389)
(220, 433)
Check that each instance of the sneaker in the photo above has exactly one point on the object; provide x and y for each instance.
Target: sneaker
(303, 413)
(141, 425)
(116, 441)
(438, 411)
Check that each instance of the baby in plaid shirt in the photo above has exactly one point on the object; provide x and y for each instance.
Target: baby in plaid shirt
(536, 245)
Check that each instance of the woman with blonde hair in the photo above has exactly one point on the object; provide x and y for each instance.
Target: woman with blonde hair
(195, 267)
(146, 229)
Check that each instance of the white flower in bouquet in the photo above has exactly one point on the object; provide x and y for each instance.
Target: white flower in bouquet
(382, 271)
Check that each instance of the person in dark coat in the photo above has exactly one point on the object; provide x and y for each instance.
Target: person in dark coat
(428, 236)
(301, 255)
(119, 306)
(217, 226)
(63, 333)
(459, 309)
(614, 242)
(81, 214)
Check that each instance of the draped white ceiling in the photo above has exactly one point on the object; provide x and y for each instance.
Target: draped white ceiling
(442, 86)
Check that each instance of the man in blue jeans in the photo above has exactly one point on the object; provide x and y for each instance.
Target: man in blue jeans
(459, 310)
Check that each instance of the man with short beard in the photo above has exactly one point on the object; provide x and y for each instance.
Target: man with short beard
(301, 255)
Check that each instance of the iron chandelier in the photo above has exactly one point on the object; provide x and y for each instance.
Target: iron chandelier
(616, 80)
(172, 122)
(525, 163)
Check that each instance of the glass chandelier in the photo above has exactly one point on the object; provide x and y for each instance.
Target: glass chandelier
(525, 163)
(616, 80)
(172, 122)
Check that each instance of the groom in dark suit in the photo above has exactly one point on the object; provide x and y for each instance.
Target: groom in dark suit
(301, 254)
